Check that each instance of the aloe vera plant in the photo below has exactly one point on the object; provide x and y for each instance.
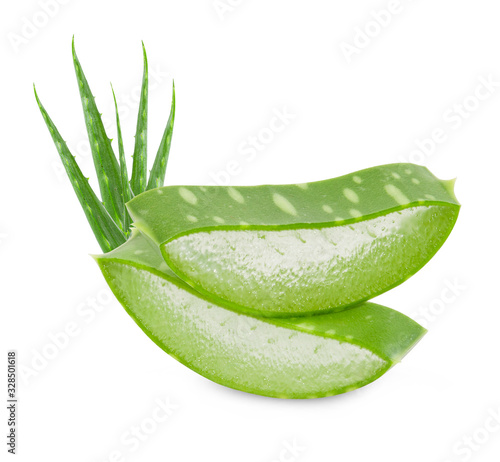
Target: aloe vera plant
(281, 250)
(225, 279)
(109, 220)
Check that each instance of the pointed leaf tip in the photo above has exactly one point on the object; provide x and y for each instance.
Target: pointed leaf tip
(106, 164)
(127, 193)
(138, 181)
(106, 231)
(157, 175)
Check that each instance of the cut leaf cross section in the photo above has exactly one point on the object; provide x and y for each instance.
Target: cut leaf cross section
(307, 357)
(281, 250)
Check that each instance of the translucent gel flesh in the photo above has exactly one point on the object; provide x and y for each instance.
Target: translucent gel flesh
(237, 350)
(308, 270)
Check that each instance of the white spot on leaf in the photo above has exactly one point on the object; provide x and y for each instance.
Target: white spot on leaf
(351, 195)
(327, 209)
(235, 195)
(396, 194)
(188, 195)
(192, 219)
(357, 179)
(284, 204)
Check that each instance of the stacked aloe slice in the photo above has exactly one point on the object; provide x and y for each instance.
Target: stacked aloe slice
(261, 288)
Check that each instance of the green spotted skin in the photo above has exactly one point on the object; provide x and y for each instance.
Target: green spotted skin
(292, 250)
(306, 357)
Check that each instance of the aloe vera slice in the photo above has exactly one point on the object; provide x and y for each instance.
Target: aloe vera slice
(287, 358)
(281, 250)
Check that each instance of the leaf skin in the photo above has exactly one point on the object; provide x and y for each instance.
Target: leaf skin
(157, 175)
(257, 207)
(106, 165)
(308, 357)
(108, 234)
(139, 166)
(127, 192)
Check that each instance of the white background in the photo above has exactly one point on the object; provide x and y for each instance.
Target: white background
(352, 109)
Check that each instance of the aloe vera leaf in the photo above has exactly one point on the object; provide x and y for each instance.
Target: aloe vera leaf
(106, 165)
(305, 357)
(127, 192)
(282, 250)
(139, 165)
(157, 174)
(108, 234)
